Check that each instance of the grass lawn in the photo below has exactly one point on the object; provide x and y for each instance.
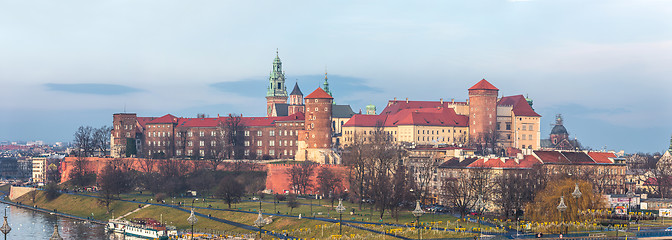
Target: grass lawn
(79, 205)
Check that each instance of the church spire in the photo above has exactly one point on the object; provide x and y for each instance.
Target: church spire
(325, 85)
(276, 80)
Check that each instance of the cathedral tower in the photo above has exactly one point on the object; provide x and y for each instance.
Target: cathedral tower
(482, 112)
(277, 91)
(295, 101)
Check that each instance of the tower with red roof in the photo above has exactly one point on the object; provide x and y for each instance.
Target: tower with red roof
(482, 112)
(315, 140)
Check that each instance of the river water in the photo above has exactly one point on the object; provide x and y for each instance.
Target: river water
(27, 224)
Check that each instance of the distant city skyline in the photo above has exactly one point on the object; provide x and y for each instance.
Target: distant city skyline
(604, 65)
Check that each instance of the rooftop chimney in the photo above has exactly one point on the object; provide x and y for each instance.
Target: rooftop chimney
(406, 100)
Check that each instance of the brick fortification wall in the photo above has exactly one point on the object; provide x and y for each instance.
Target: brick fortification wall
(277, 178)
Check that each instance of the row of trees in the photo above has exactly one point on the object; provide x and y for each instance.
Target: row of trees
(307, 178)
(169, 177)
(377, 173)
(89, 140)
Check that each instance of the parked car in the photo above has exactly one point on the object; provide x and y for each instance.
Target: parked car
(668, 229)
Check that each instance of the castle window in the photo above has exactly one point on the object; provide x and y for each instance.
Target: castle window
(202, 152)
(279, 85)
(201, 143)
(508, 126)
(178, 134)
(531, 128)
(247, 152)
(523, 136)
(190, 143)
(201, 134)
(259, 153)
(128, 135)
(259, 133)
(247, 143)
(325, 109)
(213, 143)
(530, 137)
(213, 133)
(316, 109)
(271, 152)
(190, 152)
(247, 133)
(271, 133)
(524, 127)
(271, 143)
(190, 134)
(259, 143)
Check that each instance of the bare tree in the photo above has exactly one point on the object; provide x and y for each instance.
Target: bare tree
(462, 191)
(300, 176)
(234, 136)
(355, 157)
(84, 141)
(101, 139)
(230, 190)
(328, 181)
(80, 175)
(292, 203)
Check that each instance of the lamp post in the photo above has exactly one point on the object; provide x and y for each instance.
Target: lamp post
(417, 212)
(5, 226)
(192, 218)
(340, 209)
(259, 222)
(479, 206)
(630, 195)
(576, 194)
(561, 207)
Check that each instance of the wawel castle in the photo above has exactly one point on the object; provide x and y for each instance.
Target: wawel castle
(314, 127)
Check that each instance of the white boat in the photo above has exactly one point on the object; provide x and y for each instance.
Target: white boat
(146, 228)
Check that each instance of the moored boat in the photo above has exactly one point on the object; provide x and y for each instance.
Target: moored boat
(142, 228)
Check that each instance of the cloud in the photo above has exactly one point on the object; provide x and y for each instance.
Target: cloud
(92, 88)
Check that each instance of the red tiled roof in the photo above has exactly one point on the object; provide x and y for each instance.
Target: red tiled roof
(362, 120)
(483, 85)
(527, 162)
(198, 122)
(144, 120)
(318, 93)
(551, 157)
(395, 106)
(165, 119)
(423, 117)
(520, 105)
(602, 157)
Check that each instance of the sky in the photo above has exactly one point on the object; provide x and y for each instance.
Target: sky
(604, 65)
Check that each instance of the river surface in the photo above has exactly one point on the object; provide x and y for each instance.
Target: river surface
(27, 224)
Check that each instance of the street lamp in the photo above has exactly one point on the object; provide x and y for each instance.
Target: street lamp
(192, 218)
(340, 209)
(630, 195)
(562, 207)
(479, 206)
(5, 226)
(259, 222)
(417, 212)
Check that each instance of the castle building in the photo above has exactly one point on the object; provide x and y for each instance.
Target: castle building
(509, 122)
(275, 136)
